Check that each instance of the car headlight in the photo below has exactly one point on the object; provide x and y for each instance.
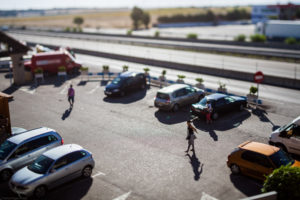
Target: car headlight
(116, 90)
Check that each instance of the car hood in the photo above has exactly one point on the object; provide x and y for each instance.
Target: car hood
(296, 164)
(199, 106)
(112, 86)
(25, 176)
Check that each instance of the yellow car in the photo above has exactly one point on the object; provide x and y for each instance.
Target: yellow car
(257, 159)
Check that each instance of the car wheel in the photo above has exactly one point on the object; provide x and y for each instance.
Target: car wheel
(122, 94)
(235, 169)
(241, 108)
(40, 191)
(5, 175)
(282, 147)
(87, 171)
(215, 115)
(175, 108)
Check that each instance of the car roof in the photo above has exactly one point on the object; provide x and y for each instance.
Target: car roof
(258, 147)
(128, 74)
(216, 96)
(172, 88)
(29, 134)
(62, 150)
(297, 121)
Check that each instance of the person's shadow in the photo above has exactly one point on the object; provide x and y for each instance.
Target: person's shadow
(196, 165)
(67, 113)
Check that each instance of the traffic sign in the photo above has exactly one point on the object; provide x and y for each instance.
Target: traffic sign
(258, 77)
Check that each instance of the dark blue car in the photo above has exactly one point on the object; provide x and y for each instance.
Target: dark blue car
(125, 82)
(220, 103)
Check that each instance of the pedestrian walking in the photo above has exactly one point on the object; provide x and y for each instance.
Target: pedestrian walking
(208, 112)
(71, 94)
(190, 136)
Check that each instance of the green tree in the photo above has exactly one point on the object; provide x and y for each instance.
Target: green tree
(285, 181)
(146, 19)
(78, 21)
(136, 16)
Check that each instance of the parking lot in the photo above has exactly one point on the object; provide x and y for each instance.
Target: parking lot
(139, 151)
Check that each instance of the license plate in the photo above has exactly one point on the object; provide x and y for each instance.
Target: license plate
(107, 92)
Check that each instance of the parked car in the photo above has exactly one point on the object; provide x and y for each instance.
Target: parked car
(23, 148)
(53, 168)
(221, 103)
(257, 159)
(125, 82)
(174, 96)
(287, 137)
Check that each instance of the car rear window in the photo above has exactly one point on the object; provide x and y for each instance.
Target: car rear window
(162, 96)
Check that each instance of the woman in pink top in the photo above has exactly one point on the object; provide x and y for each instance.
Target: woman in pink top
(71, 94)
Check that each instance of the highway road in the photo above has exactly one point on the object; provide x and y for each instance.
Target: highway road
(274, 68)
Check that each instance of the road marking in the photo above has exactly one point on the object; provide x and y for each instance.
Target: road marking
(207, 197)
(98, 174)
(29, 90)
(93, 90)
(123, 196)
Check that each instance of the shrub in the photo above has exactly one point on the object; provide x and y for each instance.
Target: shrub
(181, 77)
(199, 80)
(146, 70)
(164, 72)
(156, 34)
(84, 68)
(253, 90)
(258, 38)
(290, 40)
(74, 29)
(125, 68)
(192, 36)
(61, 68)
(222, 85)
(129, 32)
(105, 67)
(285, 181)
(240, 38)
(67, 29)
(38, 70)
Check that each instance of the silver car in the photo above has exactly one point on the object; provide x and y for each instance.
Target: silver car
(52, 168)
(177, 95)
(23, 148)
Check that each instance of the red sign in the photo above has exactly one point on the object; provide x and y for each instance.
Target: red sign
(258, 77)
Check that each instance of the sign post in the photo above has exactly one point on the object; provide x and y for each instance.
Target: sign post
(258, 78)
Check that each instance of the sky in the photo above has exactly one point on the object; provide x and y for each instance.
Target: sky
(46, 4)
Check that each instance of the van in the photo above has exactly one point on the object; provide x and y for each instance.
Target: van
(287, 137)
(22, 149)
(51, 61)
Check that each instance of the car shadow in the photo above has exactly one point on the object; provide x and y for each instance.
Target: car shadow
(246, 185)
(196, 165)
(262, 115)
(75, 190)
(5, 192)
(224, 123)
(130, 97)
(169, 117)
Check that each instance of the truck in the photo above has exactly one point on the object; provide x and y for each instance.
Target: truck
(51, 61)
(279, 30)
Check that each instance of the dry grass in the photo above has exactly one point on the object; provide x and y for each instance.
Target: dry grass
(103, 19)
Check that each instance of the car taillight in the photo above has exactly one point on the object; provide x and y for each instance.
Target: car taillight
(62, 141)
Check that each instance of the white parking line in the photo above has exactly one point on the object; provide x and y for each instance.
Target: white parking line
(93, 90)
(98, 174)
(123, 196)
(207, 197)
(28, 90)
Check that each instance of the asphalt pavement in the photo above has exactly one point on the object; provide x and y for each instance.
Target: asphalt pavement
(139, 151)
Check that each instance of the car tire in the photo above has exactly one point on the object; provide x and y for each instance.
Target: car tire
(87, 171)
(175, 108)
(241, 107)
(235, 169)
(215, 116)
(282, 147)
(5, 174)
(40, 192)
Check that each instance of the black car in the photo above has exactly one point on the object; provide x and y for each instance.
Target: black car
(220, 103)
(126, 82)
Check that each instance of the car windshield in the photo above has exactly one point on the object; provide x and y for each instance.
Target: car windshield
(284, 127)
(41, 164)
(162, 96)
(203, 101)
(5, 148)
(117, 81)
(280, 158)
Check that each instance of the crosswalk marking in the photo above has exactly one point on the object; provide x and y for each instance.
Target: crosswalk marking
(98, 174)
(28, 89)
(123, 196)
(94, 89)
(207, 197)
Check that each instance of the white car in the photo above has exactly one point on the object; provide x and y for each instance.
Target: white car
(287, 137)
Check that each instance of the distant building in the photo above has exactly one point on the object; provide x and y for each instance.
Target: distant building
(263, 13)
